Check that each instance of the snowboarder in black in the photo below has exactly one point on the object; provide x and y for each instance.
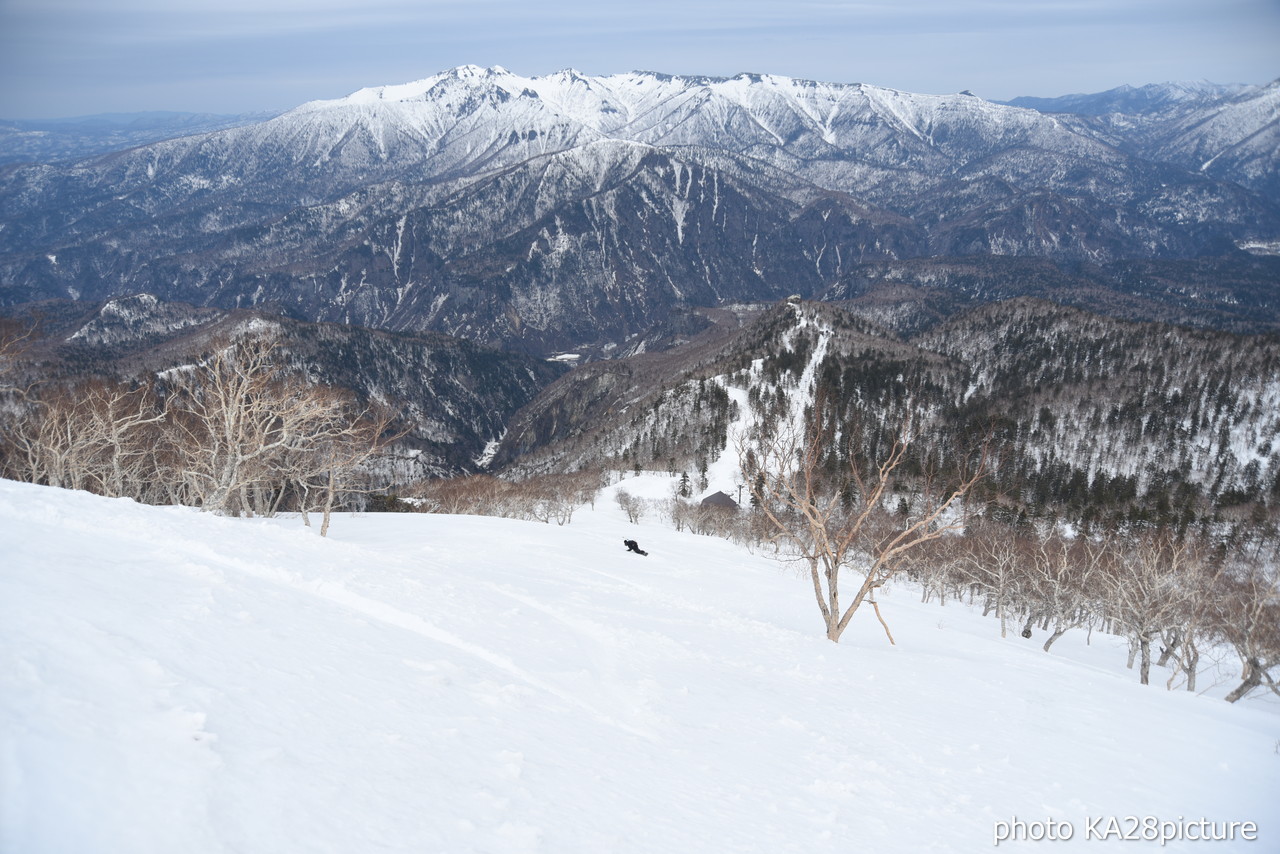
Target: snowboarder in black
(633, 546)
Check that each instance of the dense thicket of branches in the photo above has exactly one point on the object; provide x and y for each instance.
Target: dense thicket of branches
(1175, 595)
(231, 434)
(545, 498)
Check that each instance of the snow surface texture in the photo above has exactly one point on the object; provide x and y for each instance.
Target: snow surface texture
(172, 681)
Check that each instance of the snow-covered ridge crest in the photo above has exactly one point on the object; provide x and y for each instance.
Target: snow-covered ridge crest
(134, 318)
(413, 90)
(619, 103)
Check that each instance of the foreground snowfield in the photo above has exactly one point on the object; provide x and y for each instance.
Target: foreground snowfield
(172, 681)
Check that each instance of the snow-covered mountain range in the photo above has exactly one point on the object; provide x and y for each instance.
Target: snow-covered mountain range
(569, 211)
(1230, 132)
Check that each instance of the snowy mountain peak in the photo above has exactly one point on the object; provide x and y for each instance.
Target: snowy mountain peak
(629, 86)
(750, 111)
(394, 200)
(478, 71)
(415, 90)
(571, 75)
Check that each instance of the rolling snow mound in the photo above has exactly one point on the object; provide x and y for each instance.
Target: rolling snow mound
(172, 681)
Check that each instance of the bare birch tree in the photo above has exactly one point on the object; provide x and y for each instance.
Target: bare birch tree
(993, 561)
(1250, 622)
(244, 426)
(338, 454)
(835, 516)
(120, 427)
(1064, 578)
(1145, 583)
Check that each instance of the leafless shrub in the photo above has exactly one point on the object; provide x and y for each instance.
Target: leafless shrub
(633, 506)
(830, 522)
(1249, 620)
(543, 498)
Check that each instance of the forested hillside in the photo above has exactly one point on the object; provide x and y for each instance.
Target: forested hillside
(1094, 419)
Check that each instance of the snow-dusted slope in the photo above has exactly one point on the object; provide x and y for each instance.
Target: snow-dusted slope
(1238, 140)
(1226, 132)
(171, 681)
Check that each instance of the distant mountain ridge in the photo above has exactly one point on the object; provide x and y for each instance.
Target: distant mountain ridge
(1132, 99)
(573, 213)
(1231, 132)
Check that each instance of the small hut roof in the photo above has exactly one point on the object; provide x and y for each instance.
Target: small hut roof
(719, 499)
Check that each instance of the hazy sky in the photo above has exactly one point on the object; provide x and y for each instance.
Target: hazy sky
(78, 57)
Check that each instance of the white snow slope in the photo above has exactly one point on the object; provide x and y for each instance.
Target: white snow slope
(172, 681)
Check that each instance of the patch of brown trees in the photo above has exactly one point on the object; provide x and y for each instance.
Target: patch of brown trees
(542, 498)
(233, 434)
(1172, 596)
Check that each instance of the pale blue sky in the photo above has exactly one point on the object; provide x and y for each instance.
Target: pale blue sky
(78, 57)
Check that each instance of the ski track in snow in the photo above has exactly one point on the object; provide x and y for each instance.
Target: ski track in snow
(340, 595)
